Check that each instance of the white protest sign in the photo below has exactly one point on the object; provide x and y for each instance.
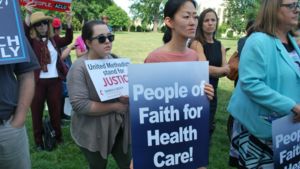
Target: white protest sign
(109, 76)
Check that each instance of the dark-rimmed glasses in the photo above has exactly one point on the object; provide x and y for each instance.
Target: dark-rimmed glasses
(292, 6)
(40, 23)
(102, 38)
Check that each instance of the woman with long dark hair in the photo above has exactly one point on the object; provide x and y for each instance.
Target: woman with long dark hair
(209, 48)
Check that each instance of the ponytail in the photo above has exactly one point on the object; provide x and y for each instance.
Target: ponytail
(167, 35)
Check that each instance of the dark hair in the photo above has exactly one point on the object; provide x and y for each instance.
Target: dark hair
(171, 7)
(87, 30)
(250, 27)
(200, 33)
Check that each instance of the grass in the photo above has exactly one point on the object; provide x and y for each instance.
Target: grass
(136, 46)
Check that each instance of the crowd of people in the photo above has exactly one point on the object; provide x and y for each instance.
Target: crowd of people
(266, 89)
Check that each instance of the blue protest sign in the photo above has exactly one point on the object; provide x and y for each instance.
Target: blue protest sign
(286, 143)
(169, 115)
(12, 38)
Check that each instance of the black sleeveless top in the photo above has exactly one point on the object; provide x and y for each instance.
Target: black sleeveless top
(213, 54)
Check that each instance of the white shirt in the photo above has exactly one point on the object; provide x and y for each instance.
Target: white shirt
(52, 70)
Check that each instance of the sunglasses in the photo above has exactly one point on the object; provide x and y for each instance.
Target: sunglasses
(102, 38)
(40, 23)
(292, 6)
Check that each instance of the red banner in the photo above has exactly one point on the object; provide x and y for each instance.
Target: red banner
(54, 5)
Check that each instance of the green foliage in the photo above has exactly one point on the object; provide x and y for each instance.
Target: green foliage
(244, 9)
(230, 34)
(118, 18)
(132, 28)
(139, 29)
(147, 10)
(85, 10)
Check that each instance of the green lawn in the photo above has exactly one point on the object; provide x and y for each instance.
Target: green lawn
(136, 46)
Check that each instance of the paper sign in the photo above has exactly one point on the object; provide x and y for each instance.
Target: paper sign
(169, 113)
(53, 5)
(286, 143)
(12, 44)
(109, 77)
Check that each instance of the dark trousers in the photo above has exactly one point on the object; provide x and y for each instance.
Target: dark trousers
(48, 90)
(213, 109)
(96, 161)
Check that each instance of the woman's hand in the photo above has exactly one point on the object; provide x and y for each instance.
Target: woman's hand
(69, 17)
(29, 7)
(124, 99)
(296, 111)
(209, 90)
(121, 108)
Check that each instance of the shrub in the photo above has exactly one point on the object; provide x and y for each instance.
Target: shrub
(132, 28)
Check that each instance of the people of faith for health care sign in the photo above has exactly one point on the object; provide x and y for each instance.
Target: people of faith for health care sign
(54, 5)
(109, 77)
(12, 44)
(286, 143)
(169, 113)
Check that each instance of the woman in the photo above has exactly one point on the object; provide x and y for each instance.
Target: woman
(49, 77)
(268, 85)
(209, 48)
(98, 128)
(180, 17)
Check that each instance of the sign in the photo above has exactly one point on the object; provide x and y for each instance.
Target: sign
(12, 45)
(109, 77)
(169, 115)
(286, 143)
(53, 5)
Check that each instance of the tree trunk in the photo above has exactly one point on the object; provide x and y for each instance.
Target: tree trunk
(155, 24)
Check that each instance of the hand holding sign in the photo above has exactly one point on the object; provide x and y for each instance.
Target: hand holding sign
(296, 111)
(68, 16)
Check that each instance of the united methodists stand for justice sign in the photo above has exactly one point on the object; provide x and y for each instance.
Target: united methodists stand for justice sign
(12, 38)
(286, 143)
(169, 113)
(109, 77)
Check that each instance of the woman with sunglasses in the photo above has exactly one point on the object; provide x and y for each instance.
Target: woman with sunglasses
(98, 128)
(49, 77)
(268, 85)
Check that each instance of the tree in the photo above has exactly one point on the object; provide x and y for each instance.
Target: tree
(147, 10)
(118, 18)
(245, 9)
(85, 10)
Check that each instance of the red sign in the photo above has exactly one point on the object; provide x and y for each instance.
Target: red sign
(54, 5)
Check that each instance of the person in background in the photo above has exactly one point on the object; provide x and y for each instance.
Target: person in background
(209, 48)
(65, 56)
(105, 19)
(268, 85)
(180, 17)
(48, 78)
(80, 47)
(98, 128)
(17, 90)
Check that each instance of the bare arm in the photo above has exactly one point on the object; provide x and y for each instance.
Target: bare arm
(220, 71)
(79, 53)
(66, 52)
(197, 46)
(26, 93)
(213, 70)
